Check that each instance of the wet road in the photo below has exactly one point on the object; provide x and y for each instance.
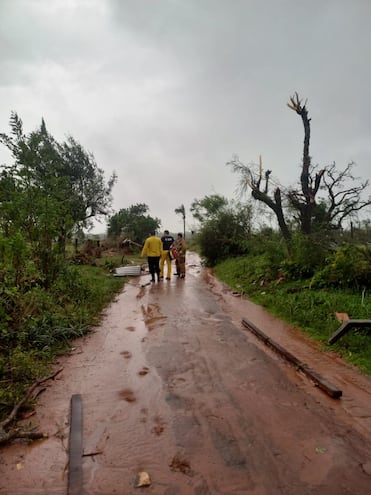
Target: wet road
(173, 385)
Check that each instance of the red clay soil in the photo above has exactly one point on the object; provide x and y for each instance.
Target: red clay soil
(174, 386)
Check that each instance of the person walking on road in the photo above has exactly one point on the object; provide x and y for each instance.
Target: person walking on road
(152, 249)
(167, 241)
(181, 247)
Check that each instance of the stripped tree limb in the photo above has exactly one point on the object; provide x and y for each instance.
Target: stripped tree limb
(7, 436)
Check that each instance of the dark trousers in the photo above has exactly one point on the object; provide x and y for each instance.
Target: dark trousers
(180, 265)
(154, 266)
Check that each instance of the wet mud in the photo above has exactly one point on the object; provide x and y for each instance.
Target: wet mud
(174, 386)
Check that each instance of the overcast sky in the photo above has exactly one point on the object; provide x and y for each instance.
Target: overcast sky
(165, 92)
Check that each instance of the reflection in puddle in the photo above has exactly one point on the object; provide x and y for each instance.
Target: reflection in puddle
(152, 314)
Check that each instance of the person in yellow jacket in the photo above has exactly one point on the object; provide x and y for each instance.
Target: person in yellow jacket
(153, 249)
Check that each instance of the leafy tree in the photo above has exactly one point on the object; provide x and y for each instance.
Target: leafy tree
(208, 207)
(181, 211)
(90, 194)
(133, 222)
(8, 204)
(225, 227)
(63, 180)
(50, 191)
(32, 205)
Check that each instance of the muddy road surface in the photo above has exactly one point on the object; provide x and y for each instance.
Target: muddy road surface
(173, 385)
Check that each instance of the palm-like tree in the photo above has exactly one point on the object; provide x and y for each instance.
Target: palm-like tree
(181, 211)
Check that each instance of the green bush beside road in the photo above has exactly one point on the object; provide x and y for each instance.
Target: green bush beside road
(39, 323)
(305, 304)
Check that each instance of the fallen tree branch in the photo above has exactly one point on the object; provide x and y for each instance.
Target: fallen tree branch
(13, 434)
(97, 452)
(6, 436)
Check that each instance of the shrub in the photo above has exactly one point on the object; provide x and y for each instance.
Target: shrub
(349, 266)
(308, 254)
(71, 286)
(224, 236)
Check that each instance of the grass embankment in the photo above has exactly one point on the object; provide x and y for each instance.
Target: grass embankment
(313, 310)
(49, 320)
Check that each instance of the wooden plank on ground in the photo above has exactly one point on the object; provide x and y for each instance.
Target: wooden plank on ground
(346, 326)
(321, 382)
(75, 480)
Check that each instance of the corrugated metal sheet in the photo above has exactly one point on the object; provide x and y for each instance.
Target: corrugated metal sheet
(125, 271)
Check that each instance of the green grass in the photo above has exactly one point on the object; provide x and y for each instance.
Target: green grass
(310, 310)
(48, 323)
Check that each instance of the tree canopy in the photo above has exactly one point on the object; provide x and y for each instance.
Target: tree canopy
(51, 184)
(208, 207)
(182, 211)
(225, 227)
(133, 222)
(50, 191)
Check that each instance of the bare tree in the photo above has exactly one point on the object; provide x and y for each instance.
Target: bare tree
(343, 197)
(304, 201)
(250, 178)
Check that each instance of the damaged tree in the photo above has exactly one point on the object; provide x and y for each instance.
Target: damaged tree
(304, 201)
(343, 198)
(251, 179)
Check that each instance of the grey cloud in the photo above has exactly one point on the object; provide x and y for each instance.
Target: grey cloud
(165, 91)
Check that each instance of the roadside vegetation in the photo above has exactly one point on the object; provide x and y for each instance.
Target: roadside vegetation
(306, 285)
(309, 299)
(54, 283)
(38, 323)
(53, 286)
(315, 263)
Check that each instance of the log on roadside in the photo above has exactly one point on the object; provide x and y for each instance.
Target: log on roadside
(321, 382)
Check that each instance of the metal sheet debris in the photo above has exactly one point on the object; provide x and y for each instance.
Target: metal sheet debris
(125, 271)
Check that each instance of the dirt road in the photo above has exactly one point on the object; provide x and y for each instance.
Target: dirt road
(173, 385)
